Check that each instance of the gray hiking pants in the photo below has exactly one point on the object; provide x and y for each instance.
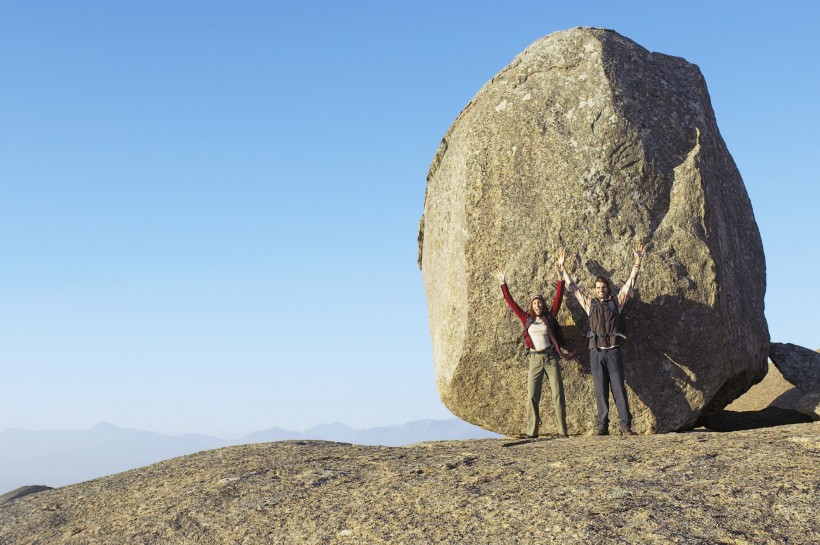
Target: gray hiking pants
(539, 365)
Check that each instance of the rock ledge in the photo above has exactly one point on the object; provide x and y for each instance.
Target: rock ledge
(748, 487)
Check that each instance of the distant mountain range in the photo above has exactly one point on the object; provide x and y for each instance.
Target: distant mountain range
(58, 458)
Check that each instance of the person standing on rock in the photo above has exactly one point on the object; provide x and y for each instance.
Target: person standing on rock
(606, 332)
(543, 350)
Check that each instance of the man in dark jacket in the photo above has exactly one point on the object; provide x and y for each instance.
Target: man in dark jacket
(606, 332)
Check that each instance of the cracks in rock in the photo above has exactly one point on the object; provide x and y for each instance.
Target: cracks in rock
(564, 67)
(500, 75)
(437, 158)
(524, 77)
(420, 242)
(622, 151)
(594, 121)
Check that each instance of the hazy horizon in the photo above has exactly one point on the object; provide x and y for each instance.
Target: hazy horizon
(61, 457)
(105, 423)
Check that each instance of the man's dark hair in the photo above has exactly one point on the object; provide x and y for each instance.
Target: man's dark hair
(605, 281)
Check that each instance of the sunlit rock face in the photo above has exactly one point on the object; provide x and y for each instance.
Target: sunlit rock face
(589, 142)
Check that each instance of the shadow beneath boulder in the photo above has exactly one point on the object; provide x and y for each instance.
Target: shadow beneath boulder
(788, 399)
(751, 420)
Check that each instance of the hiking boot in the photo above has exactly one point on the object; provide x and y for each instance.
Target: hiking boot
(627, 431)
(600, 431)
(526, 436)
(562, 436)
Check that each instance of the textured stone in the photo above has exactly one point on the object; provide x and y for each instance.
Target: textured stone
(756, 487)
(589, 142)
(809, 404)
(799, 365)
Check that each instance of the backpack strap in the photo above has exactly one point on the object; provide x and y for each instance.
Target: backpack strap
(611, 303)
(613, 306)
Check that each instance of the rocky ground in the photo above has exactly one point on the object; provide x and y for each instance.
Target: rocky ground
(745, 487)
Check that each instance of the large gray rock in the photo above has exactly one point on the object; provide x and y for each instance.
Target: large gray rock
(589, 142)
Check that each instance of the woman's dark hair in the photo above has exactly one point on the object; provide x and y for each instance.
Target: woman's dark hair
(544, 310)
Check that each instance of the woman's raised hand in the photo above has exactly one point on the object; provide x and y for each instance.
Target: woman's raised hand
(501, 276)
(639, 249)
(562, 255)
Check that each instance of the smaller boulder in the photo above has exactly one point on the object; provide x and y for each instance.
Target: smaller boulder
(799, 365)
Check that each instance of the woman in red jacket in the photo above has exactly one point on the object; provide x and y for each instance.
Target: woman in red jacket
(543, 352)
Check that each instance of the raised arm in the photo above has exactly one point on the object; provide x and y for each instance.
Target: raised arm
(517, 310)
(626, 290)
(573, 288)
(559, 294)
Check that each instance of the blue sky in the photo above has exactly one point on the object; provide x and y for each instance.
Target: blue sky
(208, 210)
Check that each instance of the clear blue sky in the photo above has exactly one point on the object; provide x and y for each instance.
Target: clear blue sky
(208, 210)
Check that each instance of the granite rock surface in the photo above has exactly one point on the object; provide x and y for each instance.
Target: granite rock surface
(589, 142)
(751, 487)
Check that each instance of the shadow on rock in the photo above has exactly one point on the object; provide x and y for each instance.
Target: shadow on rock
(677, 381)
(751, 420)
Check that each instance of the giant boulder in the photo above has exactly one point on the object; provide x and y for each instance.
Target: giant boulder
(589, 142)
